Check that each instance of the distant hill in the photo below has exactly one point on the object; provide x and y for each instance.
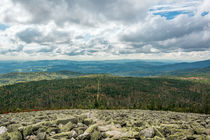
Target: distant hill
(191, 72)
(200, 74)
(107, 92)
(17, 77)
(117, 67)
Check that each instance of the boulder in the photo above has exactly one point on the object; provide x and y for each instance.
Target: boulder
(116, 134)
(66, 120)
(96, 135)
(91, 128)
(42, 136)
(53, 130)
(15, 135)
(207, 132)
(3, 130)
(87, 121)
(13, 127)
(84, 136)
(66, 127)
(148, 132)
(64, 135)
(4, 136)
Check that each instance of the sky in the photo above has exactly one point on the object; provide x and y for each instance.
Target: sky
(104, 29)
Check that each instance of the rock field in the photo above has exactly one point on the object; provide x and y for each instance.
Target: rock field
(104, 125)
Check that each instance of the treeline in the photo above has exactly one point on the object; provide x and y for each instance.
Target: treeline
(107, 92)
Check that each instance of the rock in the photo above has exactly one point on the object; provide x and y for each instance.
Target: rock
(84, 136)
(62, 121)
(158, 138)
(73, 134)
(66, 120)
(81, 125)
(67, 127)
(148, 133)
(31, 137)
(13, 127)
(3, 130)
(4, 136)
(116, 134)
(96, 135)
(199, 131)
(79, 131)
(74, 120)
(15, 135)
(42, 136)
(189, 138)
(91, 128)
(158, 133)
(82, 117)
(104, 128)
(53, 130)
(122, 125)
(207, 132)
(88, 121)
(28, 130)
(63, 135)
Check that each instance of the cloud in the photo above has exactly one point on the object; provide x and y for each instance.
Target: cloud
(36, 35)
(105, 29)
(29, 35)
(89, 13)
(182, 33)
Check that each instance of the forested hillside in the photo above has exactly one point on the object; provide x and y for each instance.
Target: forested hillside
(17, 77)
(107, 92)
(197, 75)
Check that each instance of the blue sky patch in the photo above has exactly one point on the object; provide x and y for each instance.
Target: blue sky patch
(87, 37)
(204, 13)
(172, 14)
(3, 27)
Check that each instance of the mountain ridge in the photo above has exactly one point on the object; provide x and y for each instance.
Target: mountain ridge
(118, 67)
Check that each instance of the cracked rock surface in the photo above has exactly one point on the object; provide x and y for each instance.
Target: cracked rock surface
(104, 125)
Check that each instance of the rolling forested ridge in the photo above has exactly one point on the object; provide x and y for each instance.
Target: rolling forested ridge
(107, 92)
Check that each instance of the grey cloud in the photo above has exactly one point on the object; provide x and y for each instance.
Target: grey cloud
(46, 49)
(183, 33)
(92, 47)
(75, 52)
(196, 41)
(160, 29)
(29, 35)
(120, 27)
(86, 12)
(33, 35)
(12, 50)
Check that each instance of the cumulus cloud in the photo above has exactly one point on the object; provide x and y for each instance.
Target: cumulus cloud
(105, 29)
(33, 35)
(182, 33)
(85, 12)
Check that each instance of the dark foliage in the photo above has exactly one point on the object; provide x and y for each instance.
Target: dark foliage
(107, 92)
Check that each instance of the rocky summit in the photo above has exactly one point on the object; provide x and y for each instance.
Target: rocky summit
(104, 125)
